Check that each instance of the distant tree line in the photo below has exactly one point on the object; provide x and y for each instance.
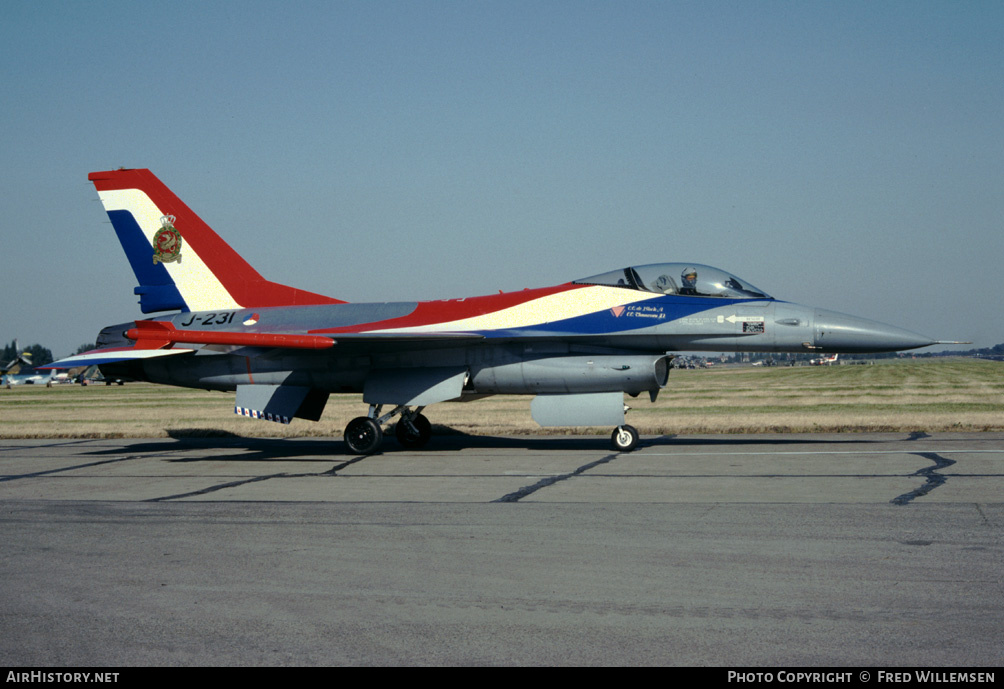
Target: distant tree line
(38, 354)
(996, 351)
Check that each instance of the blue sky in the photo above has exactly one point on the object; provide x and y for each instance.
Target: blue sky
(847, 155)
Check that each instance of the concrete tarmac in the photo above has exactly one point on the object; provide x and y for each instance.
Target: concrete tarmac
(839, 550)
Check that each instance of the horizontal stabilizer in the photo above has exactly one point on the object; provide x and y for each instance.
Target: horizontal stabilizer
(112, 355)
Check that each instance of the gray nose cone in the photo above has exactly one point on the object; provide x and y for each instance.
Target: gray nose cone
(840, 332)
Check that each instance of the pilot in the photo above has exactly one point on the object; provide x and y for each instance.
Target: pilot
(689, 277)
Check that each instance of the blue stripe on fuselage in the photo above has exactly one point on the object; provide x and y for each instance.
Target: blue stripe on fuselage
(634, 316)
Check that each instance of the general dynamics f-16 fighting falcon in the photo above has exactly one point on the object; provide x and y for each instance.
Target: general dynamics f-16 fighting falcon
(578, 346)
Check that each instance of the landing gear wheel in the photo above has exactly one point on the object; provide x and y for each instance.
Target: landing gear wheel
(363, 435)
(624, 438)
(413, 438)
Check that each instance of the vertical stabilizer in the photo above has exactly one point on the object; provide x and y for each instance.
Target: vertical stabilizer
(178, 260)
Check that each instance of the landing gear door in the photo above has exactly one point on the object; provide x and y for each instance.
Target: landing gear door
(589, 409)
(414, 386)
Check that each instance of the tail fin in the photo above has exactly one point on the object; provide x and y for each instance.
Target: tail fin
(179, 262)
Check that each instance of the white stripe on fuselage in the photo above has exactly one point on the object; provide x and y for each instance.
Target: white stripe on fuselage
(548, 309)
(199, 287)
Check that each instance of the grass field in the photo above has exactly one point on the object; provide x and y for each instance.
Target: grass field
(901, 396)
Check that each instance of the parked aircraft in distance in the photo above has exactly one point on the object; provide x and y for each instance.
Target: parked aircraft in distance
(12, 372)
(577, 346)
(47, 378)
(824, 360)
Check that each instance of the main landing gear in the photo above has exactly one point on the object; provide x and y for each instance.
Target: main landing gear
(364, 434)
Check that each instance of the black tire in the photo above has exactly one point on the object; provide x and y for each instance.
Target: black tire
(363, 435)
(624, 438)
(408, 438)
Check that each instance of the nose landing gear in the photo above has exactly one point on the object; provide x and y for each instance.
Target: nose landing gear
(624, 438)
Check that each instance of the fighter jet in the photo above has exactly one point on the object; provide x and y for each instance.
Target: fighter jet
(578, 347)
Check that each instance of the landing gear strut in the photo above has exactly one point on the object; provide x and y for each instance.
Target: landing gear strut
(413, 430)
(364, 434)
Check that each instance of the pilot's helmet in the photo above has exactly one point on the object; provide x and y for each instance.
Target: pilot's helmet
(689, 276)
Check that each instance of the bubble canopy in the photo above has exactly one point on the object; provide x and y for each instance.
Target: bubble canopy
(687, 279)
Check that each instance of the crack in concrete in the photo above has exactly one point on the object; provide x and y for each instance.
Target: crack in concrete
(75, 467)
(243, 482)
(551, 480)
(932, 478)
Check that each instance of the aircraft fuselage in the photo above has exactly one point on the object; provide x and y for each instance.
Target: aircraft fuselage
(620, 348)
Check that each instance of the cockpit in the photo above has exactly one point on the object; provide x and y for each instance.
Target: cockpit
(687, 279)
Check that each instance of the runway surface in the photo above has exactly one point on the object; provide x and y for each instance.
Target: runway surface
(851, 549)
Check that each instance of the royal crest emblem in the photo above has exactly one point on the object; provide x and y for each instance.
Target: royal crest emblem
(167, 242)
